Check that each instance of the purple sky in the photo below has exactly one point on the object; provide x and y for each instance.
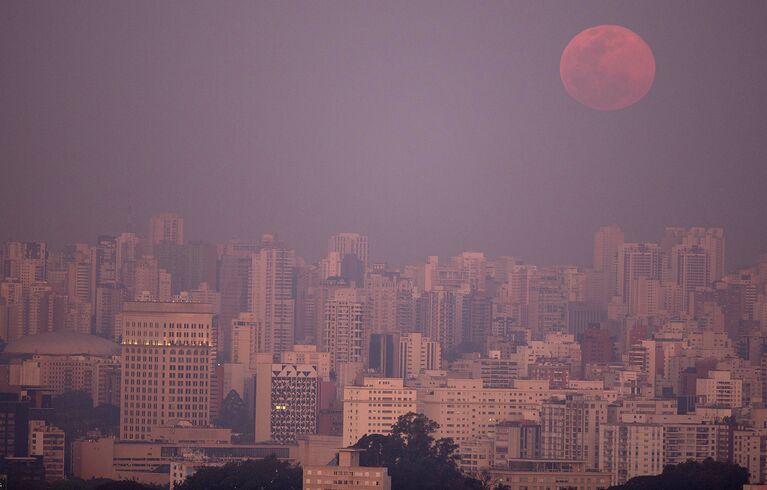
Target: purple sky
(434, 127)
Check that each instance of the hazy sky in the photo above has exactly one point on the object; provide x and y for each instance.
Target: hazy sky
(434, 127)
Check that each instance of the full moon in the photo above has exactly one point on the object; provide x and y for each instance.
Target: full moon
(607, 67)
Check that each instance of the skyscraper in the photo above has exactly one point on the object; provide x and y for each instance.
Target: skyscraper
(635, 261)
(168, 356)
(272, 294)
(709, 239)
(166, 227)
(438, 317)
(607, 241)
(287, 401)
(344, 336)
(350, 244)
(247, 339)
(417, 354)
(691, 269)
(234, 276)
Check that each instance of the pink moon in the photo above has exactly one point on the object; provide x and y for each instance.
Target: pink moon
(607, 67)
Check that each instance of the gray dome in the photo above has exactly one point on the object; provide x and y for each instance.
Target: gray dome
(62, 344)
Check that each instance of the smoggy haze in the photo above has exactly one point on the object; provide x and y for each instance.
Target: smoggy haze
(433, 128)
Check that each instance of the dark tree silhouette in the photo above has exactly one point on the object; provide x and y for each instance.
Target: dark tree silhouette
(259, 474)
(415, 460)
(74, 413)
(234, 413)
(692, 475)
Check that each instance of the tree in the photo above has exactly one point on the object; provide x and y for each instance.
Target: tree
(124, 485)
(692, 475)
(415, 460)
(234, 413)
(254, 474)
(73, 412)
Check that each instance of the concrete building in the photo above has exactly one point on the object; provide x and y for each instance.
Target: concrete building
(549, 474)
(287, 401)
(348, 475)
(66, 361)
(374, 407)
(166, 228)
(465, 409)
(629, 450)
(344, 335)
(719, 390)
(570, 428)
(636, 261)
(418, 354)
(308, 354)
(439, 316)
(272, 296)
(350, 244)
(168, 356)
(246, 339)
(150, 461)
(516, 439)
(750, 452)
(48, 441)
(607, 241)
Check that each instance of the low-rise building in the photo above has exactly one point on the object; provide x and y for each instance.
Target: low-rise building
(348, 475)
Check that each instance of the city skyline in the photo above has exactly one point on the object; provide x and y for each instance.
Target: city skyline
(399, 245)
(444, 118)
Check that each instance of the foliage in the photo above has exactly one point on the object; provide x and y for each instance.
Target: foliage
(234, 414)
(457, 351)
(78, 484)
(74, 413)
(692, 475)
(124, 485)
(414, 459)
(253, 474)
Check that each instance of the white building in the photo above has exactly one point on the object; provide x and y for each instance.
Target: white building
(348, 475)
(418, 354)
(719, 389)
(374, 407)
(629, 450)
(343, 337)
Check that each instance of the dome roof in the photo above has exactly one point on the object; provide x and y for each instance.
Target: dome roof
(62, 344)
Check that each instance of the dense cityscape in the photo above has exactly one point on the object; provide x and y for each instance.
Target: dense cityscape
(148, 357)
(383, 245)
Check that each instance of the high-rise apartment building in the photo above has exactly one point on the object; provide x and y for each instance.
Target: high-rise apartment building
(344, 334)
(570, 428)
(166, 227)
(247, 339)
(234, 276)
(272, 296)
(350, 244)
(374, 407)
(627, 450)
(709, 239)
(607, 241)
(438, 316)
(25, 261)
(477, 319)
(103, 262)
(287, 401)
(637, 261)
(690, 269)
(417, 354)
(168, 356)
